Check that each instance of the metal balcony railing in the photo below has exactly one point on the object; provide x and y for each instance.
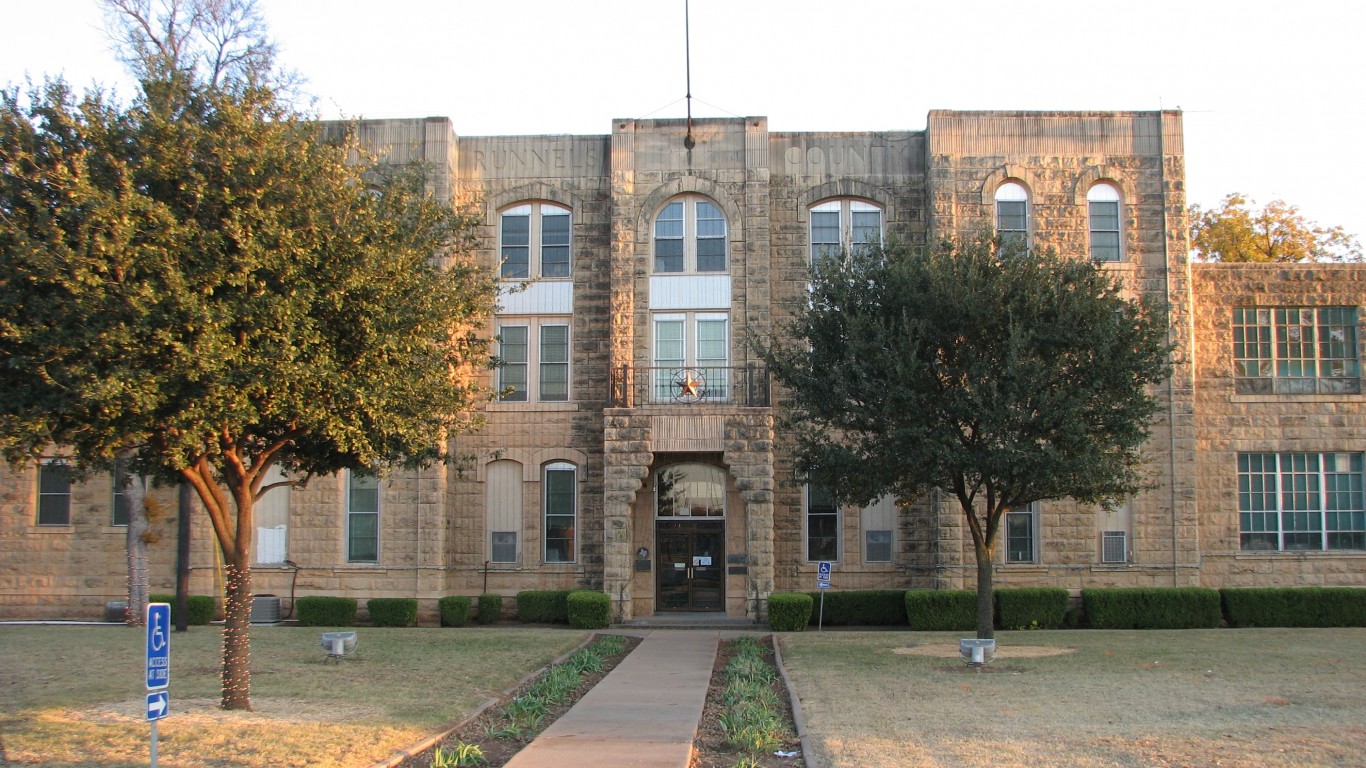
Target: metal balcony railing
(745, 386)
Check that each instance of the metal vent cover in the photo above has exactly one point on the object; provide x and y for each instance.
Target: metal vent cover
(1114, 547)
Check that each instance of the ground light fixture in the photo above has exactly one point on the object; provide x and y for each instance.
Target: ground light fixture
(977, 652)
(337, 645)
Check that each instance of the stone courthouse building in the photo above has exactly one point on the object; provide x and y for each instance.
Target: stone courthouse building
(635, 449)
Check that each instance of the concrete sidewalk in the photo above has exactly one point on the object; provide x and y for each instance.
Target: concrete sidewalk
(644, 713)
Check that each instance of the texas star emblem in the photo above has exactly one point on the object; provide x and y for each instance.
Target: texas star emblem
(691, 386)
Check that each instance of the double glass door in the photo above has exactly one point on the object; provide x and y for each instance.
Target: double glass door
(691, 566)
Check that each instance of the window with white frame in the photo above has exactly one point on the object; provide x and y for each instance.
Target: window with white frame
(1295, 350)
(691, 356)
(534, 241)
(690, 236)
(560, 507)
(1301, 501)
(533, 360)
(822, 525)
(843, 226)
(503, 502)
(1022, 540)
(1102, 213)
(362, 518)
(1012, 214)
(878, 521)
(54, 492)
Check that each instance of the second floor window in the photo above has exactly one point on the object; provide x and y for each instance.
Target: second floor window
(690, 236)
(1296, 350)
(697, 344)
(533, 361)
(1102, 214)
(534, 241)
(838, 226)
(1012, 214)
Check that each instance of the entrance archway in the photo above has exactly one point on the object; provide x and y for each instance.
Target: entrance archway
(690, 538)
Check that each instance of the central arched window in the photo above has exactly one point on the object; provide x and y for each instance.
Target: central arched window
(534, 241)
(1012, 214)
(843, 225)
(690, 236)
(690, 490)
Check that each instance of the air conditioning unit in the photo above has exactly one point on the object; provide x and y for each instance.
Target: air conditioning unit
(1114, 547)
(265, 609)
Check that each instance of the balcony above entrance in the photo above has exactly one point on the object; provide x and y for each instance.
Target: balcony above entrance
(736, 386)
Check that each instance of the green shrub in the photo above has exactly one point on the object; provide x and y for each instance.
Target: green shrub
(942, 610)
(490, 608)
(788, 611)
(454, 610)
(1295, 607)
(324, 611)
(392, 611)
(588, 609)
(543, 606)
(861, 607)
(199, 608)
(1031, 608)
(1152, 608)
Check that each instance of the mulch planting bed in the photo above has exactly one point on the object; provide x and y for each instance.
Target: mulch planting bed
(710, 749)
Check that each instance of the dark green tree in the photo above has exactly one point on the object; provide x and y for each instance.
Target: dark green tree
(998, 377)
(206, 284)
(1235, 231)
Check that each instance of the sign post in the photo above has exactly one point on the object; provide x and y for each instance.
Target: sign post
(822, 583)
(158, 667)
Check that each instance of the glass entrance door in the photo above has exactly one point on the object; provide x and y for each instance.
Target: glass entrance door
(690, 566)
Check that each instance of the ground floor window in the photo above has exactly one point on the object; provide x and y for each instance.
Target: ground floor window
(1301, 501)
(362, 519)
(560, 507)
(54, 493)
(1022, 534)
(822, 525)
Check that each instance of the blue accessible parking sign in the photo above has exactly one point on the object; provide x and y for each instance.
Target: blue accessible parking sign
(158, 646)
(823, 574)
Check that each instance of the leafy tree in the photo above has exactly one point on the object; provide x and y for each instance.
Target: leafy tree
(998, 377)
(202, 284)
(1236, 232)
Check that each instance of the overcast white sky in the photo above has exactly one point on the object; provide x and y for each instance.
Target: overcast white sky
(1272, 92)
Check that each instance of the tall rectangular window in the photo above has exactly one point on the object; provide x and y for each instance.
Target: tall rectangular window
(119, 502)
(554, 242)
(554, 379)
(503, 506)
(822, 525)
(54, 492)
(1301, 501)
(362, 519)
(1296, 350)
(513, 357)
(692, 357)
(1021, 540)
(1012, 214)
(516, 252)
(878, 521)
(560, 507)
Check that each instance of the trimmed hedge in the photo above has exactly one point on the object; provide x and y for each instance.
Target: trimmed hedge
(543, 606)
(198, 607)
(490, 608)
(392, 611)
(588, 609)
(454, 610)
(860, 607)
(1152, 608)
(789, 611)
(1031, 608)
(942, 610)
(1295, 607)
(325, 611)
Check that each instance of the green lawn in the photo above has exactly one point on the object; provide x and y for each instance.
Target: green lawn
(75, 695)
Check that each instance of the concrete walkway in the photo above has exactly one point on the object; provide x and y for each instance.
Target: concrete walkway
(643, 714)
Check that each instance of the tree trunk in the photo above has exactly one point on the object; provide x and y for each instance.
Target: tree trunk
(236, 642)
(135, 494)
(986, 623)
(184, 508)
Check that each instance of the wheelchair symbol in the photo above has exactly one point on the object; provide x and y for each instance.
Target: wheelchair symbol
(158, 640)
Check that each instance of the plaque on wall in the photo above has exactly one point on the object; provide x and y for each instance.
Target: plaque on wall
(736, 559)
(737, 570)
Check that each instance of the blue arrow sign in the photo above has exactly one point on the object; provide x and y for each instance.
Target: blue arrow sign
(158, 705)
(158, 647)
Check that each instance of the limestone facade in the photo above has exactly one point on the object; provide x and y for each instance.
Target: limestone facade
(568, 483)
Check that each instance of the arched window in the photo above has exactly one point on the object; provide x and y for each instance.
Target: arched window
(690, 490)
(1102, 211)
(503, 497)
(534, 241)
(843, 225)
(690, 236)
(1012, 213)
(560, 507)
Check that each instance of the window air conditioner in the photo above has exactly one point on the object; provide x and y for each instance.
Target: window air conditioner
(1114, 547)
